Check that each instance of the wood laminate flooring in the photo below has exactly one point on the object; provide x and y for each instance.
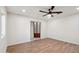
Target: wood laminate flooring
(44, 46)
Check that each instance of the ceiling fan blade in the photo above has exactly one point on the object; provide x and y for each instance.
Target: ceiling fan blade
(45, 14)
(58, 12)
(52, 7)
(43, 11)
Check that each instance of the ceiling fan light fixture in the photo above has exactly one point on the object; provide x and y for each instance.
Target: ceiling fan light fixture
(49, 16)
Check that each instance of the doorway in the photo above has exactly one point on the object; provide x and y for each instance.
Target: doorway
(35, 30)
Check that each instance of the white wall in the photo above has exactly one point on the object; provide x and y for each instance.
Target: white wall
(65, 29)
(3, 41)
(18, 29)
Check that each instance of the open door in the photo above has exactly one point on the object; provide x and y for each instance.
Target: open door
(36, 29)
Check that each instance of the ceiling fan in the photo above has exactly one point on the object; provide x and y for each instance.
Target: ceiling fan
(51, 12)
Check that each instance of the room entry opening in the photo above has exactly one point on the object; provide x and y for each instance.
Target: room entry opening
(36, 29)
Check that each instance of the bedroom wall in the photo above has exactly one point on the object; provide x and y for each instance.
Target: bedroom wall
(65, 29)
(18, 29)
(3, 41)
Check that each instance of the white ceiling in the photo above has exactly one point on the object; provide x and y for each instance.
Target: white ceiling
(33, 11)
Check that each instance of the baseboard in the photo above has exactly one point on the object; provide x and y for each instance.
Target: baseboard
(63, 41)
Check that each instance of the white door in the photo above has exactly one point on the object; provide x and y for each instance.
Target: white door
(2, 32)
(0, 27)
